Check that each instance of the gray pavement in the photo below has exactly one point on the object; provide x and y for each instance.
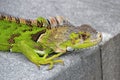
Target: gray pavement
(89, 64)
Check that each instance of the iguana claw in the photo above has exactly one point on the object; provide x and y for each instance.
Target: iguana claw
(51, 60)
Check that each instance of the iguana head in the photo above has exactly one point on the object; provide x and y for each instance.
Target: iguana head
(66, 38)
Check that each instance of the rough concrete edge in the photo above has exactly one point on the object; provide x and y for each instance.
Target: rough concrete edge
(82, 70)
(105, 38)
(108, 42)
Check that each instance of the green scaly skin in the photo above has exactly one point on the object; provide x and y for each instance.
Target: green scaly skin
(23, 43)
(55, 40)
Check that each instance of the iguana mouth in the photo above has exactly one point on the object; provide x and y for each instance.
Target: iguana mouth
(98, 37)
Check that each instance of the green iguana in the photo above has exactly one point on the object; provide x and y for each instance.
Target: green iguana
(38, 39)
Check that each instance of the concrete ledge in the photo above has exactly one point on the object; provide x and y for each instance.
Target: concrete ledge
(79, 65)
(97, 63)
(86, 66)
(111, 59)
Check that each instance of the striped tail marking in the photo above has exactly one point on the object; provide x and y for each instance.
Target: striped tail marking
(52, 22)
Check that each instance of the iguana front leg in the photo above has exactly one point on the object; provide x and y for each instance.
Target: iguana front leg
(35, 58)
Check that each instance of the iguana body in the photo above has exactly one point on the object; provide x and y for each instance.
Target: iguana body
(36, 40)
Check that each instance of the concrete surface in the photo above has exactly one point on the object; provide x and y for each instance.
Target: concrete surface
(78, 65)
(111, 59)
(97, 63)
